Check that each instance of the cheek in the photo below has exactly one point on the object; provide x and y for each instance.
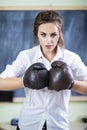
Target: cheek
(41, 40)
(56, 40)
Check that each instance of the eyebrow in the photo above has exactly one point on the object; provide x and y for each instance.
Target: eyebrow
(51, 33)
(54, 33)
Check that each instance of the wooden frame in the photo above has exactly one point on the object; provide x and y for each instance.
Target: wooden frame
(43, 7)
(72, 99)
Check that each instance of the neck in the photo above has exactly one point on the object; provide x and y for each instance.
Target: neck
(50, 55)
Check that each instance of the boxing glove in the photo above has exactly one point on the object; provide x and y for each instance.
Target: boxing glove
(60, 76)
(36, 76)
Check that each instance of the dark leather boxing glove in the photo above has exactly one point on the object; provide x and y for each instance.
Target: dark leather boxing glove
(36, 76)
(60, 76)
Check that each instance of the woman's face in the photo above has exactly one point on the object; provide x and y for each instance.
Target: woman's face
(48, 36)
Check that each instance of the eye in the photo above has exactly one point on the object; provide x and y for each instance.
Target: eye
(43, 34)
(53, 35)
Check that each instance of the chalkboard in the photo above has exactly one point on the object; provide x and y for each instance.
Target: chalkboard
(16, 34)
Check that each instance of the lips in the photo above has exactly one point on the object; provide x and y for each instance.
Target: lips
(48, 46)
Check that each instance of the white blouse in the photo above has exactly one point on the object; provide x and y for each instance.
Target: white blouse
(44, 104)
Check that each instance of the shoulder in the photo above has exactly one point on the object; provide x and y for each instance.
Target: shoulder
(70, 56)
(30, 55)
(30, 51)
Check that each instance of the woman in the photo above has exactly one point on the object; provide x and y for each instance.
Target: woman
(44, 108)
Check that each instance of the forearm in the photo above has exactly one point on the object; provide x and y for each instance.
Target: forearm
(80, 87)
(10, 83)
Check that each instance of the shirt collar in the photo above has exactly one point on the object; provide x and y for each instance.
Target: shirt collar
(59, 54)
(39, 53)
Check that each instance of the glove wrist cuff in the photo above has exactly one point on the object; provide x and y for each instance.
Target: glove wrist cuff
(71, 85)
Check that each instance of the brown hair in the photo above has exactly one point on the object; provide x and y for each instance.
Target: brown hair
(46, 17)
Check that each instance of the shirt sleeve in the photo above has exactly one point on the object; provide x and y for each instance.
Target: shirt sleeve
(17, 68)
(79, 69)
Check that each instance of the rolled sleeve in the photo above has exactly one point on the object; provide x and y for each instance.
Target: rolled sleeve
(79, 69)
(17, 68)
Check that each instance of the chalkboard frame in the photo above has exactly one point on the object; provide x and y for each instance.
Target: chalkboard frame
(50, 7)
(16, 8)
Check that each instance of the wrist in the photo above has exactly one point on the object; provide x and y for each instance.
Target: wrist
(71, 85)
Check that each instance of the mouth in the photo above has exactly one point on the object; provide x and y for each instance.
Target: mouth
(48, 46)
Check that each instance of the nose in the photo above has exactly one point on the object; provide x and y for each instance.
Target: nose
(49, 40)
